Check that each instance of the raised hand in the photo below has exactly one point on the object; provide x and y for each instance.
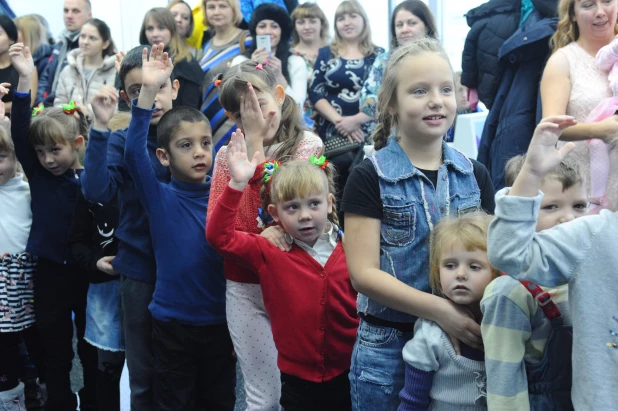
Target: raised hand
(156, 68)
(119, 56)
(241, 169)
(543, 155)
(104, 106)
(21, 59)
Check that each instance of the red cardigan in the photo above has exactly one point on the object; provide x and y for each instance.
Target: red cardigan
(312, 308)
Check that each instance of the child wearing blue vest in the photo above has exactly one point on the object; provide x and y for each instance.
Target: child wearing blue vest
(48, 149)
(193, 354)
(391, 203)
(105, 177)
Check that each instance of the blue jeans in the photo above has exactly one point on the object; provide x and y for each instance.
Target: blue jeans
(377, 372)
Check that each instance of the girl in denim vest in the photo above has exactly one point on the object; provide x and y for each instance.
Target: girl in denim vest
(391, 204)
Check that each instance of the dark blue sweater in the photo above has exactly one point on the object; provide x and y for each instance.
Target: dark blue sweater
(53, 197)
(190, 285)
(104, 177)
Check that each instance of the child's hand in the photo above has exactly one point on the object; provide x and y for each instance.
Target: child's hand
(543, 156)
(119, 56)
(276, 235)
(104, 106)
(255, 125)
(241, 169)
(21, 59)
(156, 69)
(105, 265)
(457, 321)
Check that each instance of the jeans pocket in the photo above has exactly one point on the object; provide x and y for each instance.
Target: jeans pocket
(379, 378)
(374, 336)
(399, 224)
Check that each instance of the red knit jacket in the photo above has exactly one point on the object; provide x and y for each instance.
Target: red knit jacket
(251, 201)
(312, 308)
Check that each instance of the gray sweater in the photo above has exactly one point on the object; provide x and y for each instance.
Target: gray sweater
(583, 254)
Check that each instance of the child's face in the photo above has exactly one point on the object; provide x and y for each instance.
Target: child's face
(189, 156)
(464, 274)
(560, 206)
(8, 167)
(426, 103)
(163, 102)
(58, 158)
(90, 42)
(269, 101)
(304, 218)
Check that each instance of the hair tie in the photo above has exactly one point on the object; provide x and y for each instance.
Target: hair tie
(321, 162)
(37, 110)
(266, 62)
(70, 108)
(217, 82)
(259, 67)
(269, 170)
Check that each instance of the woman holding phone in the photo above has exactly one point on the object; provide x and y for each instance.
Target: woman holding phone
(271, 26)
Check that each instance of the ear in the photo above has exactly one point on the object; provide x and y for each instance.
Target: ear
(392, 110)
(124, 96)
(280, 95)
(79, 142)
(163, 157)
(175, 88)
(106, 45)
(331, 202)
(272, 210)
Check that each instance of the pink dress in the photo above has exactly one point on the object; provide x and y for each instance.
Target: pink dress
(589, 87)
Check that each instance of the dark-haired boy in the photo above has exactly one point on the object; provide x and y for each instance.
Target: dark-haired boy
(193, 352)
(103, 178)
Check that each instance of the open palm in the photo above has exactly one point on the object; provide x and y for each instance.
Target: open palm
(543, 154)
(156, 68)
(241, 169)
(21, 59)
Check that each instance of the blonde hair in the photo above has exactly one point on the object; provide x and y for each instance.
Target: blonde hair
(366, 46)
(387, 97)
(172, 3)
(567, 30)
(300, 178)
(470, 229)
(32, 31)
(178, 50)
(237, 16)
(119, 120)
(6, 144)
(308, 11)
(234, 85)
(54, 126)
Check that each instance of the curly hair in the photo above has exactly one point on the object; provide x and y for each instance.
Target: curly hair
(567, 30)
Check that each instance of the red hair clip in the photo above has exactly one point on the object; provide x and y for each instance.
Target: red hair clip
(259, 67)
(217, 82)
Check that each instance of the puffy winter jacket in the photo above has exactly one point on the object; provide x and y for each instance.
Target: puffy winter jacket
(73, 84)
(46, 91)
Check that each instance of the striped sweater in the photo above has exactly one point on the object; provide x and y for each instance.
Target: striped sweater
(515, 331)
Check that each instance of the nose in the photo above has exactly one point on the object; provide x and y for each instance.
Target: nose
(304, 214)
(435, 100)
(461, 272)
(49, 159)
(566, 217)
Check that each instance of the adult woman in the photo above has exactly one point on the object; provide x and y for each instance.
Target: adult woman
(183, 15)
(89, 66)
(338, 76)
(159, 27)
(309, 35)
(573, 84)
(272, 20)
(228, 41)
(33, 34)
(411, 20)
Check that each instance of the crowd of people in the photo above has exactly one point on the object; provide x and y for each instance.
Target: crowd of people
(288, 203)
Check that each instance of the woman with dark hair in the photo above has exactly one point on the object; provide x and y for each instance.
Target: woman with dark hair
(291, 70)
(89, 67)
(411, 20)
(183, 15)
(159, 26)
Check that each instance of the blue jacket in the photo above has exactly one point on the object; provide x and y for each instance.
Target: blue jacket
(517, 108)
(190, 284)
(53, 197)
(44, 93)
(104, 177)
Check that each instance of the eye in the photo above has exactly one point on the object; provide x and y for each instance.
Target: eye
(136, 91)
(419, 92)
(206, 143)
(582, 206)
(447, 90)
(549, 207)
(315, 203)
(185, 145)
(56, 150)
(292, 207)
(450, 266)
(475, 267)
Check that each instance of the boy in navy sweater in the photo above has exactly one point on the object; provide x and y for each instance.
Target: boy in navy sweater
(193, 352)
(106, 176)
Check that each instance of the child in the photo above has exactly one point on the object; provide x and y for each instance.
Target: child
(89, 67)
(94, 246)
(17, 269)
(581, 254)
(307, 290)
(273, 127)
(49, 151)
(193, 353)
(517, 330)
(436, 377)
(105, 177)
(391, 204)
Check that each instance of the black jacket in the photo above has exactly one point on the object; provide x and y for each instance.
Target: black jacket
(92, 236)
(491, 24)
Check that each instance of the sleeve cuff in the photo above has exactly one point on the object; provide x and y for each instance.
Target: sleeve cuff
(230, 197)
(135, 110)
(20, 94)
(515, 208)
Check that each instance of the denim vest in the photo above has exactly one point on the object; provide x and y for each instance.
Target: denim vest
(411, 207)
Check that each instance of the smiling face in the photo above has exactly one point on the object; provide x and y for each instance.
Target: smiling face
(269, 28)
(560, 206)
(425, 98)
(350, 26)
(163, 102)
(464, 274)
(408, 27)
(596, 19)
(90, 42)
(182, 17)
(189, 155)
